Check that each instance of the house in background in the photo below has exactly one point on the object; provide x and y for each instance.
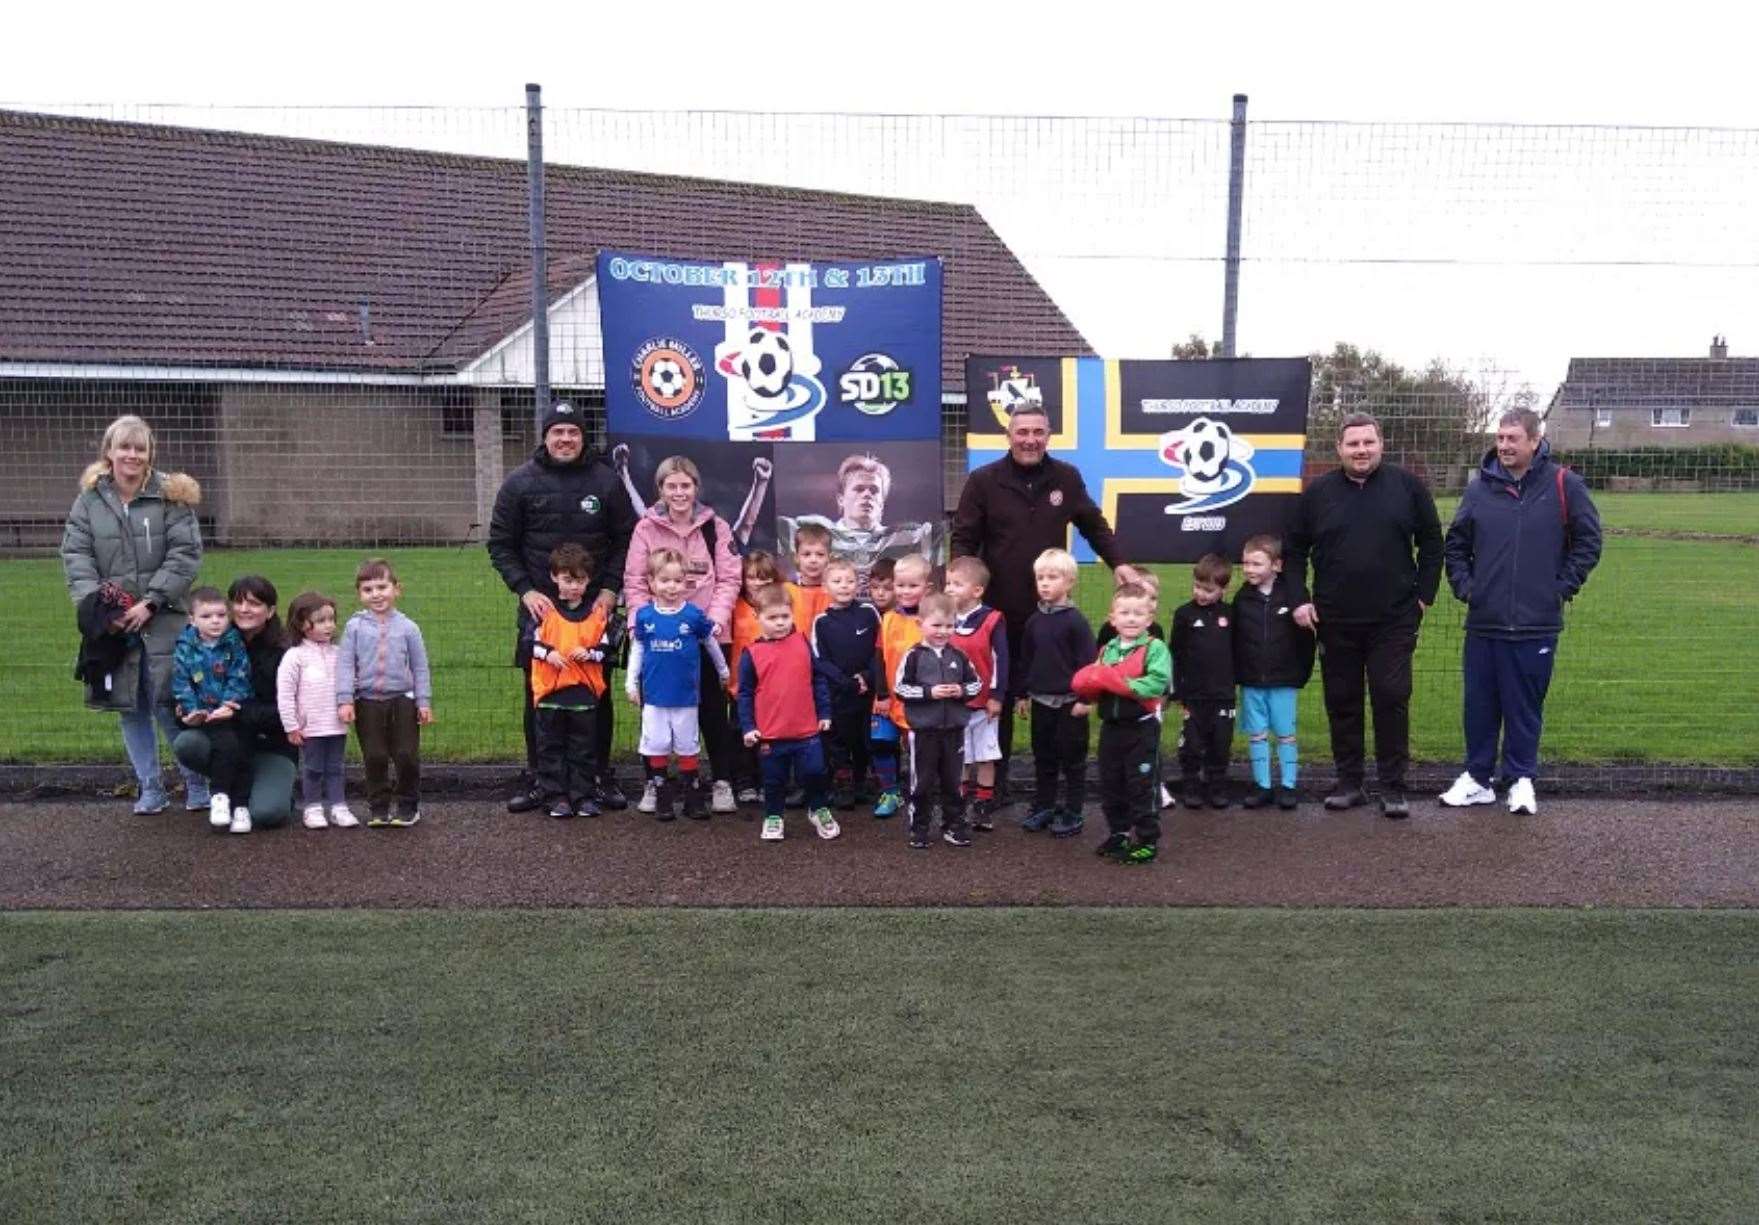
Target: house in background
(335, 339)
(1621, 403)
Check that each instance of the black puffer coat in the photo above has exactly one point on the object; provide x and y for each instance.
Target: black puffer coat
(543, 503)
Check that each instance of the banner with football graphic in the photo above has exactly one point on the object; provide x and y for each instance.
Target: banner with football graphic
(1185, 457)
(804, 392)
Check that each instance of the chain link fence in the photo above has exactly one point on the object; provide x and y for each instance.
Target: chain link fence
(324, 314)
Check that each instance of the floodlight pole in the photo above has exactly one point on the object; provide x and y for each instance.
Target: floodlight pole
(540, 288)
(1236, 198)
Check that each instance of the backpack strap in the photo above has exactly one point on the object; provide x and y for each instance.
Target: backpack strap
(1563, 499)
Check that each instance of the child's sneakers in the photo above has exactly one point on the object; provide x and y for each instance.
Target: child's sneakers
(749, 795)
(342, 818)
(650, 797)
(955, 835)
(772, 829)
(240, 823)
(692, 793)
(314, 817)
(663, 800)
(983, 815)
(1114, 847)
(824, 823)
(1140, 854)
(562, 809)
(1038, 820)
(378, 818)
(1258, 797)
(721, 797)
(888, 804)
(919, 840)
(219, 810)
(405, 816)
(1067, 823)
(1287, 799)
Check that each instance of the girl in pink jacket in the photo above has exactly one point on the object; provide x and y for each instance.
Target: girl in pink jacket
(305, 691)
(712, 578)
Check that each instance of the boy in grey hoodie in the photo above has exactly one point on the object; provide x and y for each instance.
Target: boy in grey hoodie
(383, 688)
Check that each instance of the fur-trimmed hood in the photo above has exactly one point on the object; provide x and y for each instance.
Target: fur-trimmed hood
(177, 487)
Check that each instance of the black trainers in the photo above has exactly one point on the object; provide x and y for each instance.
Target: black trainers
(919, 840)
(561, 809)
(1114, 846)
(1260, 797)
(610, 796)
(1141, 854)
(1038, 820)
(1287, 798)
(954, 835)
(665, 796)
(1346, 796)
(1191, 796)
(1067, 824)
(586, 808)
(528, 800)
(406, 815)
(1393, 805)
(983, 815)
(1217, 795)
(694, 808)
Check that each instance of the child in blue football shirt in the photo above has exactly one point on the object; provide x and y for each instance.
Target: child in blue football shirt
(665, 680)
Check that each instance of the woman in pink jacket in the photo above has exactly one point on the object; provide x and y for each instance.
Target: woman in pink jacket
(712, 573)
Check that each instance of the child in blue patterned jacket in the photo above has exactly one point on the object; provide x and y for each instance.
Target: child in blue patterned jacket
(210, 680)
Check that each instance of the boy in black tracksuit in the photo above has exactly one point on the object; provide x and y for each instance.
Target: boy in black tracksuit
(935, 681)
(1203, 684)
(1273, 659)
(1056, 643)
(846, 638)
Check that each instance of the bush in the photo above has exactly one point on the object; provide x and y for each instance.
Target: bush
(1726, 465)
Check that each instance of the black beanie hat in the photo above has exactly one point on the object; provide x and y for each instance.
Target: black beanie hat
(563, 413)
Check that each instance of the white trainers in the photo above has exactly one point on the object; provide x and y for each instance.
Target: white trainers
(341, 818)
(650, 797)
(721, 797)
(314, 817)
(824, 823)
(1522, 799)
(1166, 797)
(240, 820)
(1466, 792)
(772, 829)
(219, 810)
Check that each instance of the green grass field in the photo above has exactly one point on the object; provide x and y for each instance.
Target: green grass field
(808, 1066)
(1657, 664)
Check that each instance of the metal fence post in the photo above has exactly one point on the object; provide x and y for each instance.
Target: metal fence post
(1236, 197)
(540, 288)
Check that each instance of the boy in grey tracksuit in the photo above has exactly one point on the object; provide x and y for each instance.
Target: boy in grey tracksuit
(384, 689)
(935, 681)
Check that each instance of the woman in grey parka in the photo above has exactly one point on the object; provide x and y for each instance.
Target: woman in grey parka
(136, 527)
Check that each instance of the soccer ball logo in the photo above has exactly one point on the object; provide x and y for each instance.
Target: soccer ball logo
(668, 377)
(1214, 459)
(767, 362)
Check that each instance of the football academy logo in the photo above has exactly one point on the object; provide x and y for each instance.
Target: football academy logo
(1214, 463)
(668, 377)
(1009, 388)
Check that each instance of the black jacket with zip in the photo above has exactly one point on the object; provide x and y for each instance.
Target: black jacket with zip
(1270, 650)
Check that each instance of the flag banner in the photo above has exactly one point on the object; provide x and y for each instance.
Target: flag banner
(804, 392)
(1184, 457)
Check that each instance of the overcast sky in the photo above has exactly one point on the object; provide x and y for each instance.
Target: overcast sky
(1522, 253)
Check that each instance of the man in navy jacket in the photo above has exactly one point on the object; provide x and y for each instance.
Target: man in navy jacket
(1523, 542)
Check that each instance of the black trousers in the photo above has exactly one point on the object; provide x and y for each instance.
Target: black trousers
(937, 764)
(389, 736)
(1206, 740)
(1129, 777)
(712, 722)
(604, 726)
(1059, 754)
(847, 740)
(228, 768)
(1381, 653)
(567, 751)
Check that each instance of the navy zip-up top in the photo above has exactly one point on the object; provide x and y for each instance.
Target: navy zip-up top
(1515, 552)
(847, 643)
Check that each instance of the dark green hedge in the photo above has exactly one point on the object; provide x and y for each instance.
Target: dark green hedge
(1722, 466)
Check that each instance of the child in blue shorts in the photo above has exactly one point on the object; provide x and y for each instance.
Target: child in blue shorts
(1273, 658)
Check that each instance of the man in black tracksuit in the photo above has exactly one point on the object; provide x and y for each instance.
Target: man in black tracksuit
(564, 492)
(1010, 511)
(1203, 685)
(1374, 538)
(846, 640)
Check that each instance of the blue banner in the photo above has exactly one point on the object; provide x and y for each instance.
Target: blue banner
(771, 351)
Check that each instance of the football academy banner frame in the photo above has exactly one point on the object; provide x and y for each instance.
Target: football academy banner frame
(805, 392)
(1184, 457)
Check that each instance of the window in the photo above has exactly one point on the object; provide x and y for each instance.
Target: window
(1671, 417)
(1602, 418)
(1746, 418)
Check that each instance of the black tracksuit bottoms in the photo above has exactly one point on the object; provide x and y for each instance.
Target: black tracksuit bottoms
(1129, 777)
(847, 741)
(1206, 740)
(567, 757)
(1382, 653)
(1059, 753)
(937, 763)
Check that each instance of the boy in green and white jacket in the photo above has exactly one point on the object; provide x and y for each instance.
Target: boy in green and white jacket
(1130, 682)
